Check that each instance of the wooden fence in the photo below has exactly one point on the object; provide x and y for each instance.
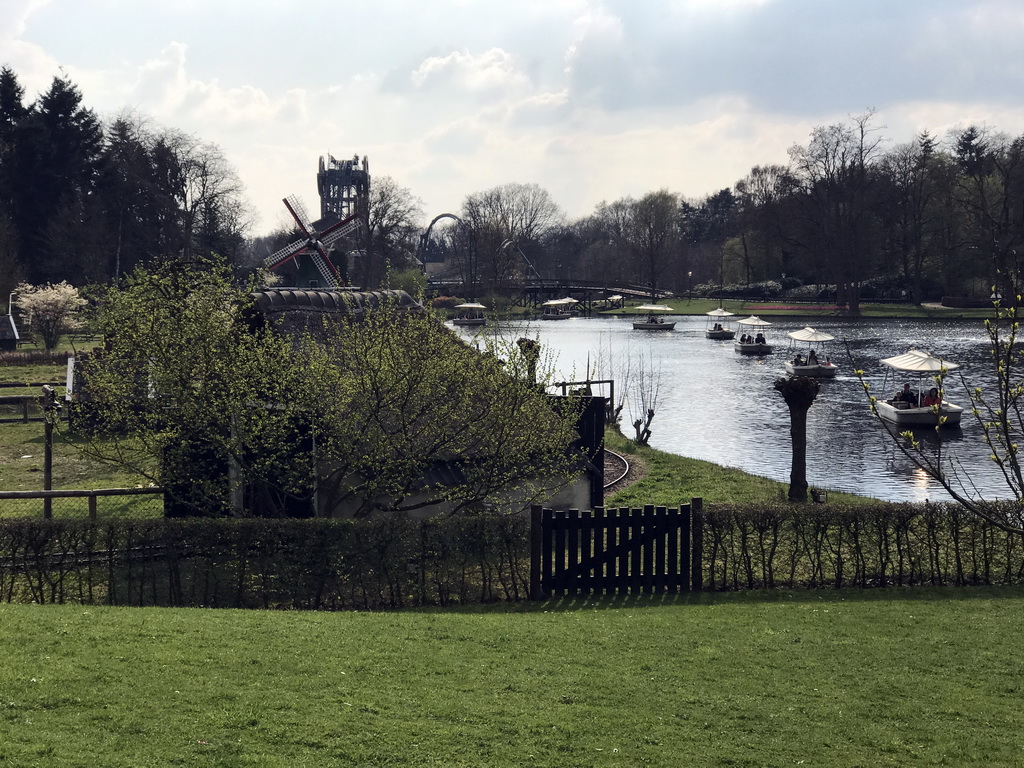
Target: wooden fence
(615, 551)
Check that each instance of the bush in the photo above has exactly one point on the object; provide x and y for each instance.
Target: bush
(445, 302)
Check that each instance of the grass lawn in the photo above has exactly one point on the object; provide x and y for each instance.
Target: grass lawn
(887, 678)
(670, 480)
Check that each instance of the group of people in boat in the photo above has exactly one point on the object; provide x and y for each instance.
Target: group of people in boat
(812, 359)
(748, 338)
(717, 327)
(910, 397)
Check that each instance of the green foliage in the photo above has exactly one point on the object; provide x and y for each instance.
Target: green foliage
(187, 392)
(389, 561)
(412, 281)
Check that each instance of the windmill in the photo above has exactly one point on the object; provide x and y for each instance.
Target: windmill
(311, 254)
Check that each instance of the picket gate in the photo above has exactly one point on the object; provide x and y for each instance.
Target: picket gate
(615, 551)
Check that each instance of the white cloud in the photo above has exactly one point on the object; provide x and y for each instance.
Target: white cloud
(592, 99)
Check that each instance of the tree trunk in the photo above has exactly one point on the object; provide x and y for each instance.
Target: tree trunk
(799, 393)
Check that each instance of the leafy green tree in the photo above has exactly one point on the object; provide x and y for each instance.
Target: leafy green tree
(391, 412)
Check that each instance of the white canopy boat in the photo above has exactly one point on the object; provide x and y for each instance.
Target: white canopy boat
(470, 313)
(717, 327)
(558, 309)
(815, 362)
(753, 343)
(652, 322)
(907, 408)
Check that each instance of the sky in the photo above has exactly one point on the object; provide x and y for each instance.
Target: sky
(593, 100)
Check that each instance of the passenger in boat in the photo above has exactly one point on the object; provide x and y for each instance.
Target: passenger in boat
(759, 339)
(798, 360)
(907, 395)
(932, 398)
(812, 358)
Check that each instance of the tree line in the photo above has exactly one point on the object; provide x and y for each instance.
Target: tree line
(851, 216)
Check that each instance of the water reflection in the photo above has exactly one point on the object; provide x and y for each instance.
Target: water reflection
(721, 406)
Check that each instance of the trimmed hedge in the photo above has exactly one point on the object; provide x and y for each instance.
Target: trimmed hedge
(832, 546)
(391, 562)
(399, 562)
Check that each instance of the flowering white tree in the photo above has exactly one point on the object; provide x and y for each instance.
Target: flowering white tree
(50, 309)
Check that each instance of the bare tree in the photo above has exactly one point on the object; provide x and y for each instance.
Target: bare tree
(799, 393)
(834, 179)
(502, 220)
(393, 222)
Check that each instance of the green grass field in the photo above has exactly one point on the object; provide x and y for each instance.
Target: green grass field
(924, 677)
(670, 480)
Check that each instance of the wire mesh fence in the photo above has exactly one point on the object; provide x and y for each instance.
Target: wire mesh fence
(108, 503)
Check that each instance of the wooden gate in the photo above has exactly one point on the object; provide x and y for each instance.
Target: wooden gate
(615, 551)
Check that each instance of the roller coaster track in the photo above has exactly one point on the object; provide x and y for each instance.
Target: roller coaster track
(616, 460)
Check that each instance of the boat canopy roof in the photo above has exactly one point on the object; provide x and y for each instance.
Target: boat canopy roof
(470, 305)
(654, 308)
(558, 302)
(616, 297)
(918, 361)
(809, 334)
(753, 320)
(720, 313)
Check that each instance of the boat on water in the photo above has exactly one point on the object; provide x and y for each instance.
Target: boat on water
(815, 362)
(717, 326)
(470, 313)
(754, 341)
(558, 309)
(653, 322)
(910, 407)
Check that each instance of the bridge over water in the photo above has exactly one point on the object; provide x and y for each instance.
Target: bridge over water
(533, 292)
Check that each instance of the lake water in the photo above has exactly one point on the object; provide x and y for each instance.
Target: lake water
(717, 405)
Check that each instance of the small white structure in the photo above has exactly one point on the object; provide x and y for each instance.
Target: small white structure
(908, 408)
(815, 362)
(753, 342)
(652, 322)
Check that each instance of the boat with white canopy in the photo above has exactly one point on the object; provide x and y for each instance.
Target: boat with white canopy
(470, 313)
(754, 341)
(717, 326)
(910, 407)
(815, 362)
(558, 309)
(653, 322)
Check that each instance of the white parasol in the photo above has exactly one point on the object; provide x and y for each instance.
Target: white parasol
(809, 334)
(919, 361)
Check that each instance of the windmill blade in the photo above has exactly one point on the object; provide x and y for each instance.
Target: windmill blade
(298, 212)
(274, 260)
(337, 231)
(325, 267)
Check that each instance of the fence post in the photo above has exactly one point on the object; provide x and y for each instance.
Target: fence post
(697, 539)
(536, 544)
(92, 506)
